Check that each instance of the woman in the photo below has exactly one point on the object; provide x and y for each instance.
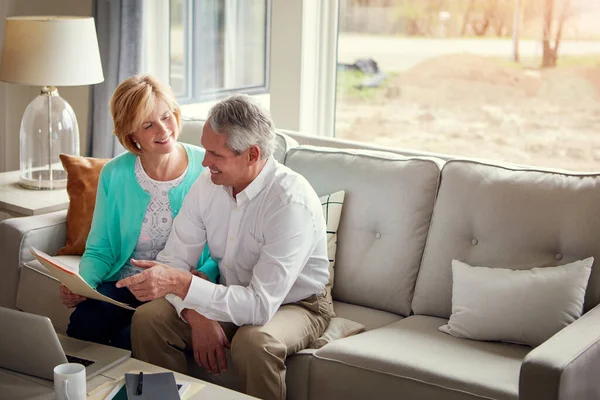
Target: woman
(139, 194)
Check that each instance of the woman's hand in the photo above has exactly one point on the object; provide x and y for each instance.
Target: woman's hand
(70, 299)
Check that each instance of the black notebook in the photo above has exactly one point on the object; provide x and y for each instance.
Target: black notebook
(160, 386)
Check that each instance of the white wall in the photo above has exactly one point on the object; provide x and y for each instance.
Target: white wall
(15, 98)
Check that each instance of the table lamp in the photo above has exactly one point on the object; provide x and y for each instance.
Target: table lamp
(49, 51)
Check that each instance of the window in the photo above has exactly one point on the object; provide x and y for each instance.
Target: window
(218, 47)
(440, 76)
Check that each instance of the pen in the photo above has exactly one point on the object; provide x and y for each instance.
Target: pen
(140, 383)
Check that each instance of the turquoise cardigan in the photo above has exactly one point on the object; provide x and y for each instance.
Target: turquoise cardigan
(120, 209)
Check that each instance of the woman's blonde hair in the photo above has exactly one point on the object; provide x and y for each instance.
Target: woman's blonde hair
(134, 100)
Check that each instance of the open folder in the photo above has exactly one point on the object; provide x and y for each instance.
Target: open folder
(71, 279)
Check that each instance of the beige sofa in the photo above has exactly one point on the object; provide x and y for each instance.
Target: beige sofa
(403, 221)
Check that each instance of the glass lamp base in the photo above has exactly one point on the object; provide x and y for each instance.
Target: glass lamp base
(48, 128)
(40, 179)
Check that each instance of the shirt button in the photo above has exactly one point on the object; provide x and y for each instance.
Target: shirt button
(474, 242)
(558, 256)
(378, 235)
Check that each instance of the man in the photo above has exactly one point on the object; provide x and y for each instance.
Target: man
(264, 224)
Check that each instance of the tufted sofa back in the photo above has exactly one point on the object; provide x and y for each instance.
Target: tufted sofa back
(396, 242)
(384, 224)
(498, 216)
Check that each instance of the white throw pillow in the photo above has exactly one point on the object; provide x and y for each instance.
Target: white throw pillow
(518, 306)
(332, 211)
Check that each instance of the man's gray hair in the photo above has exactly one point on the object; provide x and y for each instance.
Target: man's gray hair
(245, 123)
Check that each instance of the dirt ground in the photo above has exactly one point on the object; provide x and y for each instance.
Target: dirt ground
(481, 107)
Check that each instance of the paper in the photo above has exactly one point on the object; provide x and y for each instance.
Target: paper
(71, 279)
(118, 391)
(103, 391)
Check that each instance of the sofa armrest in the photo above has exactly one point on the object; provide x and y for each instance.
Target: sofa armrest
(47, 232)
(566, 365)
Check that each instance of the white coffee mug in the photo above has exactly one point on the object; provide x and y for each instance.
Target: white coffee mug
(69, 382)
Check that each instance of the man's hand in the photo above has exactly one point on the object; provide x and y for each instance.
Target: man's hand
(157, 281)
(69, 298)
(208, 341)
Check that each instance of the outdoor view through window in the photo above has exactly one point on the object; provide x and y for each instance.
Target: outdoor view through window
(507, 80)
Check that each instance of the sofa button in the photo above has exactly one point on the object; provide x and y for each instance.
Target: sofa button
(378, 235)
(559, 256)
(474, 242)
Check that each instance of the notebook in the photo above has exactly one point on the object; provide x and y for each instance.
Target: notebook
(119, 391)
(159, 386)
(115, 390)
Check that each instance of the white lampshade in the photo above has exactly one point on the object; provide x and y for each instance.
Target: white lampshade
(50, 51)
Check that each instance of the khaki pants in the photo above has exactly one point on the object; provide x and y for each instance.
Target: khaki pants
(160, 337)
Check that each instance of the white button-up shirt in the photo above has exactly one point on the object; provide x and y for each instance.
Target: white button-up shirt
(270, 244)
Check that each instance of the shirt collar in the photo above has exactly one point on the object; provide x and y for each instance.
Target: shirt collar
(258, 184)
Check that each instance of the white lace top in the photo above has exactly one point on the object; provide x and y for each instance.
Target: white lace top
(157, 221)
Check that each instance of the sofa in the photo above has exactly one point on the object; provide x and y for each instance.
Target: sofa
(404, 219)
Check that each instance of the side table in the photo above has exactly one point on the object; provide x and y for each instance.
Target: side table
(16, 201)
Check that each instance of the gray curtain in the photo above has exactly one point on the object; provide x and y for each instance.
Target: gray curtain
(119, 28)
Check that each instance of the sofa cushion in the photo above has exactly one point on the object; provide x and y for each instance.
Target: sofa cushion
(526, 307)
(83, 174)
(411, 357)
(387, 209)
(337, 328)
(369, 317)
(496, 216)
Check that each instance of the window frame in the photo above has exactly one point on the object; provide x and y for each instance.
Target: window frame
(301, 63)
(193, 93)
(304, 46)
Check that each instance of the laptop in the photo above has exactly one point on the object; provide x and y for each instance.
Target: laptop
(29, 345)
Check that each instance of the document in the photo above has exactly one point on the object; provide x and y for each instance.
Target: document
(71, 279)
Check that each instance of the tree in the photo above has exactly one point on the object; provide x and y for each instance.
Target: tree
(502, 17)
(516, 29)
(420, 17)
(483, 15)
(467, 17)
(550, 47)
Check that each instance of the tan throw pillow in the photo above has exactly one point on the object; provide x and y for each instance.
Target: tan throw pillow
(82, 182)
(517, 306)
(338, 328)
